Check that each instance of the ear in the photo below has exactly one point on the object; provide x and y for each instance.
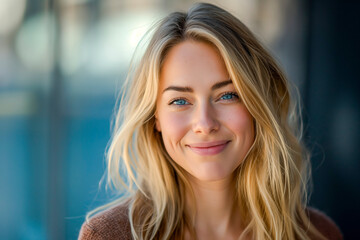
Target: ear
(157, 123)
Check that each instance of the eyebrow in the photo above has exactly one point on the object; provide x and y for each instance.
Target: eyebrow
(189, 89)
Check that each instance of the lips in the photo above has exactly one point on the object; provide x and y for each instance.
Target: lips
(208, 148)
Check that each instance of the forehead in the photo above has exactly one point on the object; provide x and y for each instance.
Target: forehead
(192, 62)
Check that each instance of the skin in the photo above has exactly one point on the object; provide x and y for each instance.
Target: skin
(207, 130)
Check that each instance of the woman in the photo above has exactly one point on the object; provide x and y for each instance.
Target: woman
(206, 136)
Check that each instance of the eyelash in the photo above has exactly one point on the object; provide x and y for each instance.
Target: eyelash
(172, 102)
(233, 94)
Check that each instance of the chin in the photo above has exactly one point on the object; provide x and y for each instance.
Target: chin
(211, 175)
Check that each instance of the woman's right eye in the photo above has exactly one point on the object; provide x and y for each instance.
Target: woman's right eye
(179, 102)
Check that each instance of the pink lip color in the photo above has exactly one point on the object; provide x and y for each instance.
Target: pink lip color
(210, 148)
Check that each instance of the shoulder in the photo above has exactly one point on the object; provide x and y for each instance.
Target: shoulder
(324, 224)
(112, 223)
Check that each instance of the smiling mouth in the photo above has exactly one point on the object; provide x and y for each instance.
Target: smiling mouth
(208, 148)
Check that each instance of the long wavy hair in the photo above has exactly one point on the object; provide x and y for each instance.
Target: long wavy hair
(271, 183)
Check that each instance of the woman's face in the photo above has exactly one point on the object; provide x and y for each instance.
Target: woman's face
(205, 126)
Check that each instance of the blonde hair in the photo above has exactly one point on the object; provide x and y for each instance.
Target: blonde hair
(271, 183)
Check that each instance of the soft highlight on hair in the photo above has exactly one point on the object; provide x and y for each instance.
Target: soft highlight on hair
(271, 183)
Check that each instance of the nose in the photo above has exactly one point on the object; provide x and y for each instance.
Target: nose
(205, 119)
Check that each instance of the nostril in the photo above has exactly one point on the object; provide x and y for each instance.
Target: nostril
(206, 126)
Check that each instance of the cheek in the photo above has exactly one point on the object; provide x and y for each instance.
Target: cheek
(174, 127)
(241, 123)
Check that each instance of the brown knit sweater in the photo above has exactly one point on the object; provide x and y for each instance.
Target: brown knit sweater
(114, 224)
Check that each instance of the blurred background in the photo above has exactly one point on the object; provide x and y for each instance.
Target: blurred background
(62, 62)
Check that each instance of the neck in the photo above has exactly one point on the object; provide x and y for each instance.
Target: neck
(217, 213)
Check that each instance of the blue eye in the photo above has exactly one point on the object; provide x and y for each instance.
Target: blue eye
(229, 96)
(179, 102)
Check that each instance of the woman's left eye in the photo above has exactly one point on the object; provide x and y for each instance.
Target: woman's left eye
(230, 96)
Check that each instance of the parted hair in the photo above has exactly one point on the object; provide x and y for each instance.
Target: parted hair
(272, 181)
